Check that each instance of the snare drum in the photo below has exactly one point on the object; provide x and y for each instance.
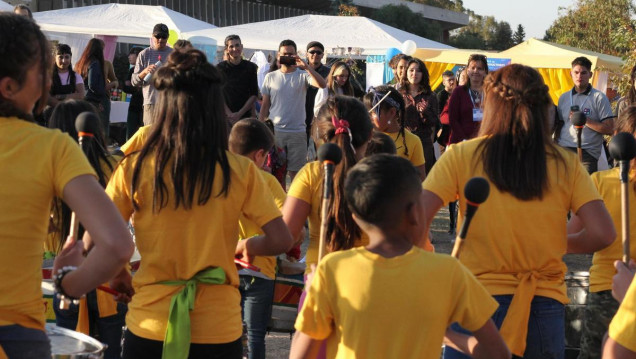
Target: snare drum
(68, 344)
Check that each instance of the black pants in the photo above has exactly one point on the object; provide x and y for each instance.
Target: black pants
(140, 348)
(589, 162)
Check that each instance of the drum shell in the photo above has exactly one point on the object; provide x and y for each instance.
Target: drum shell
(577, 289)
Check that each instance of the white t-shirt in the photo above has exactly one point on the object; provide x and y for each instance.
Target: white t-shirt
(287, 92)
(64, 78)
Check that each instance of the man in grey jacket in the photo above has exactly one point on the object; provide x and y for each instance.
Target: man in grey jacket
(147, 64)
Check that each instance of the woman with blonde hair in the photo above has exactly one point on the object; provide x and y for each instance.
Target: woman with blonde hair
(338, 83)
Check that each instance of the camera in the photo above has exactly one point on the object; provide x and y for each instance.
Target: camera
(574, 108)
(287, 60)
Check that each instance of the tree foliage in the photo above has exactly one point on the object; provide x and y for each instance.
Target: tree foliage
(604, 26)
(483, 32)
(401, 17)
(519, 36)
(348, 10)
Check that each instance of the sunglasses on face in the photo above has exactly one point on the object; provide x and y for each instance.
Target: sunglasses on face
(315, 52)
(161, 36)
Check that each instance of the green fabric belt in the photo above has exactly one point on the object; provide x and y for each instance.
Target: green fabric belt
(177, 342)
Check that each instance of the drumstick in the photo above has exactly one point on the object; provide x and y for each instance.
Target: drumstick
(476, 192)
(330, 155)
(623, 149)
(578, 121)
(108, 290)
(246, 265)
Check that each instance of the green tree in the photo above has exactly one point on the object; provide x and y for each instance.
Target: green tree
(519, 36)
(401, 17)
(592, 25)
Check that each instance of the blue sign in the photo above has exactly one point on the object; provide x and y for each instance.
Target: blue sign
(496, 64)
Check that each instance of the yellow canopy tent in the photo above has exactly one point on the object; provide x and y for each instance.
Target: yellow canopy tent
(553, 61)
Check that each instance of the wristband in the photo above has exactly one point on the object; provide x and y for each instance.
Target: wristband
(65, 299)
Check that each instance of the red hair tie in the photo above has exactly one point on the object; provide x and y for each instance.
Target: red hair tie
(342, 126)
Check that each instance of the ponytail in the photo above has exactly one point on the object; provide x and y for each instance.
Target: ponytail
(345, 122)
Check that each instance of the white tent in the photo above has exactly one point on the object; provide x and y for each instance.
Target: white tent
(130, 23)
(373, 37)
(119, 23)
(5, 7)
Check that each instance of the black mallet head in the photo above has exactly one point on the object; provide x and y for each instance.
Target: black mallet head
(87, 122)
(623, 146)
(578, 119)
(477, 190)
(330, 152)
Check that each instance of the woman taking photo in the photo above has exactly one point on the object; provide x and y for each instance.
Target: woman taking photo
(421, 113)
(36, 165)
(91, 67)
(186, 193)
(338, 83)
(465, 110)
(518, 237)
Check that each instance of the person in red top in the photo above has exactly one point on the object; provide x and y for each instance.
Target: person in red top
(464, 107)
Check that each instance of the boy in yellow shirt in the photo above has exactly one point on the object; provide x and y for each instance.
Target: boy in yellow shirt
(391, 299)
(252, 139)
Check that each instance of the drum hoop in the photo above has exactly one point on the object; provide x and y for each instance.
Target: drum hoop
(98, 353)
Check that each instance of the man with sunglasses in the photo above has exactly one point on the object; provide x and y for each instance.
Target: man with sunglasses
(146, 64)
(315, 53)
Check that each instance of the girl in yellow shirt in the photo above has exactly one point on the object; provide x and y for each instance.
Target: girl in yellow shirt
(106, 315)
(388, 116)
(600, 305)
(518, 237)
(37, 165)
(186, 193)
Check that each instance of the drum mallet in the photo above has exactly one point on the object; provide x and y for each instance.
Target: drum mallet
(578, 121)
(329, 155)
(86, 125)
(623, 149)
(476, 192)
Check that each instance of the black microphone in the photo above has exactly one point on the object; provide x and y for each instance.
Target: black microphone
(623, 149)
(578, 120)
(476, 192)
(330, 155)
(86, 124)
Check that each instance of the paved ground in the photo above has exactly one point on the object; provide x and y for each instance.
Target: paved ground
(278, 344)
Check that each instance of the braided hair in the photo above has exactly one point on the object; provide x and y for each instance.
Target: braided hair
(393, 100)
(516, 122)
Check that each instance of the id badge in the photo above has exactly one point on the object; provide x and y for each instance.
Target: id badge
(478, 115)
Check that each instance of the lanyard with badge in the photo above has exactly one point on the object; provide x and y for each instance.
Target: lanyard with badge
(572, 105)
(478, 113)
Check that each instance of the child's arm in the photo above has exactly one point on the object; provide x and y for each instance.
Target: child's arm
(613, 350)
(485, 342)
(303, 346)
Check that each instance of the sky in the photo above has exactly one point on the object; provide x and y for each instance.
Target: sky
(536, 16)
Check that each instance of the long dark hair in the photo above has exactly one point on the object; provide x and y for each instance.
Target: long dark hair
(94, 51)
(342, 231)
(516, 122)
(424, 85)
(627, 123)
(189, 136)
(23, 45)
(62, 49)
(347, 89)
(63, 118)
(376, 94)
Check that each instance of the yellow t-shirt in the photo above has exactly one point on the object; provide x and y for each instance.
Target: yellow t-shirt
(176, 244)
(623, 326)
(511, 243)
(136, 141)
(36, 164)
(368, 306)
(307, 186)
(413, 144)
(249, 229)
(53, 240)
(602, 270)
